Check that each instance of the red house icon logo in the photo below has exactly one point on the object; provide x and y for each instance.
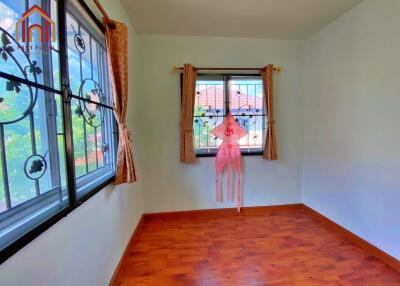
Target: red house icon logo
(44, 31)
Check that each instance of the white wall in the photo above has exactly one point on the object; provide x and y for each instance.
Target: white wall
(351, 139)
(352, 135)
(85, 247)
(171, 185)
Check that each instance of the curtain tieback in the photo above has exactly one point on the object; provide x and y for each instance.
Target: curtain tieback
(124, 134)
(123, 129)
(269, 122)
(122, 126)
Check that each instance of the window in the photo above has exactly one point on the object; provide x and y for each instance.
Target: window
(57, 128)
(92, 121)
(216, 95)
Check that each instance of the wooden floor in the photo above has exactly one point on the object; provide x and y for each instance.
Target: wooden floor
(278, 248)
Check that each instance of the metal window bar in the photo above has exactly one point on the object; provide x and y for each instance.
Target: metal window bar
(50, 107)
(4, 168)
(33, 144)
(95, 128)
(215, 121)
(66, 107)
(91, 75)
(93, 171)
(104, 127)
(100, 71)
(48, 89)
(83, 119)
(30, 116)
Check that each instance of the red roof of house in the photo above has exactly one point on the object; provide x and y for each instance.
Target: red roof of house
(214, 96)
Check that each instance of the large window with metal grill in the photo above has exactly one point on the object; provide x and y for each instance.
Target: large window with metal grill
(216, 95)
(57, 128)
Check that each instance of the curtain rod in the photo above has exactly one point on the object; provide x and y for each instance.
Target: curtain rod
(176, 68)
(106, 18)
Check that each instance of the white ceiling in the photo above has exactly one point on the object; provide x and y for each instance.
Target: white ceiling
(279, 19)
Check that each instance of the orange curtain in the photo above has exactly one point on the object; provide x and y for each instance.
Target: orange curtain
(117, 49)
(187, 109)
(270, 148)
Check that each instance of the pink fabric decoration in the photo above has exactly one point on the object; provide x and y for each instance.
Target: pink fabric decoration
(228, 154)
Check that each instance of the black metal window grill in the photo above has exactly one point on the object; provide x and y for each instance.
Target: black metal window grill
(57, 128)
(216, 95)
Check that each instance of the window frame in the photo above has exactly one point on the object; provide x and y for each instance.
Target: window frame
(85, 183)
(72, 183)
(226, 77)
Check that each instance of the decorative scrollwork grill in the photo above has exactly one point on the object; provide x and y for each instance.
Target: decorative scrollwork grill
(93, 101)
(17, 103)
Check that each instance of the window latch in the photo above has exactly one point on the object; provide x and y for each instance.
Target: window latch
(67, 93)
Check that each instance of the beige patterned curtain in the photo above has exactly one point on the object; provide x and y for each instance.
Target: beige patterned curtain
(270, 148)
(117, 49)
(187, 109)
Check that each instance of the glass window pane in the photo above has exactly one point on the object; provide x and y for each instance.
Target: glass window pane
(28, 41)
(246, 102)
(31, 159)
(94, 139)
(92, 116)
(32, 165)
(209, 113)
